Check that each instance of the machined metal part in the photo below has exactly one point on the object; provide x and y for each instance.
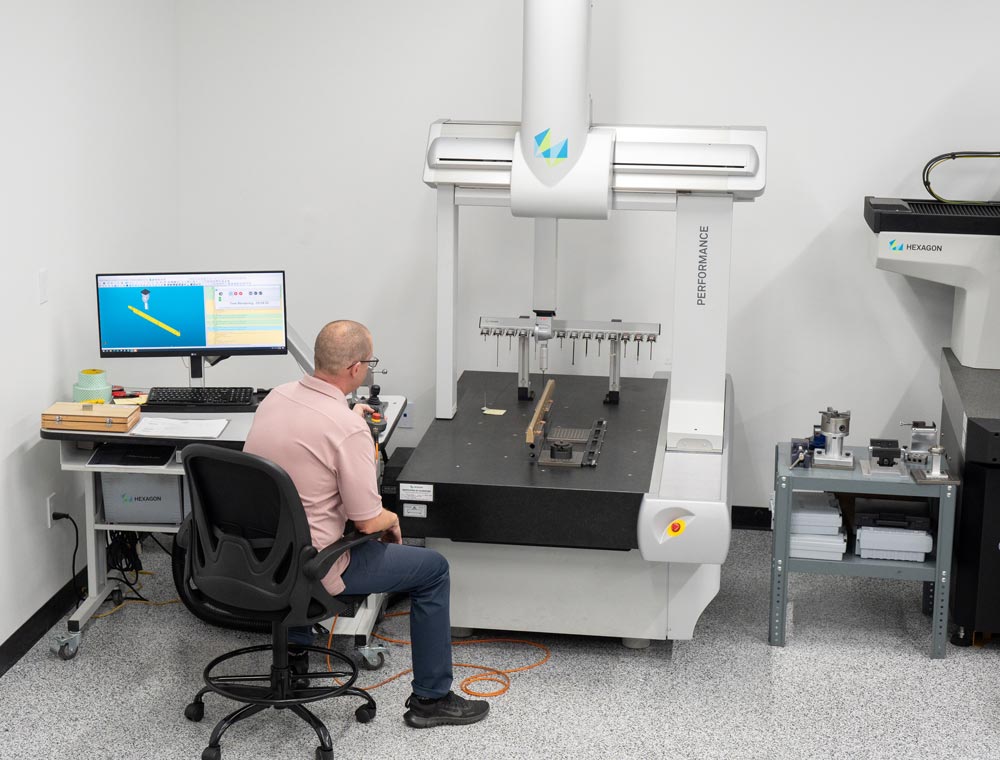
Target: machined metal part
(822, 459)
(614, 369)
(937, 458)
(834, 425)
(938, 472)
(578, 451)
(884, 451)
(578, 326)
(523, 364)
(801, 453)
(562, 446)
(923, 436)
(871, 468)
(618, 334)
(570, 435)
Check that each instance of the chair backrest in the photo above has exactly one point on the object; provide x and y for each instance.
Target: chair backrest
(248, 538)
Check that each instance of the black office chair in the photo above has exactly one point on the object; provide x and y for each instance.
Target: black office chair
(249, 552)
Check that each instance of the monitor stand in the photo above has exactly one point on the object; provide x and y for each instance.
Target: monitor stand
(197, 372)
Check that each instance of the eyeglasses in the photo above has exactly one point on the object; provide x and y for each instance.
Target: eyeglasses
(372, 363)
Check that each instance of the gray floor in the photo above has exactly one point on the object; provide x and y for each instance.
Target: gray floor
(854, 681)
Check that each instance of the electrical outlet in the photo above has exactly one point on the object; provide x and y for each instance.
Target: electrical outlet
(406, 419)
(50, 506)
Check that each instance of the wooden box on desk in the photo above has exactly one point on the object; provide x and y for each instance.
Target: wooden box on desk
(73, 415)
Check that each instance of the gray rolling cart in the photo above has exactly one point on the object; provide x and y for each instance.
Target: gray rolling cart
(936, 570)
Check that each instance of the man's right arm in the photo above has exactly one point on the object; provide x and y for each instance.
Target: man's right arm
(387, 521)
(358, 488)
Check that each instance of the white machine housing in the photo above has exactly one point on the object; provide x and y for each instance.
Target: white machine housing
(555, 164)
(970, 263)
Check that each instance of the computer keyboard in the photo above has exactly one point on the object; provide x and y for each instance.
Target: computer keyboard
(163, 396)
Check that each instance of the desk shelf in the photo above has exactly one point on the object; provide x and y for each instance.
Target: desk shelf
(936, 571)
(139, 527)
(75, 459)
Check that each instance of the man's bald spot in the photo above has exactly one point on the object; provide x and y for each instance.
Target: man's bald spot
(341, 344)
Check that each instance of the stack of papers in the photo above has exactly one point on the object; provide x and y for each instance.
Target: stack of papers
(166, 427)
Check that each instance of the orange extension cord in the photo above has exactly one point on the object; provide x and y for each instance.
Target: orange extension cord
(501, 677)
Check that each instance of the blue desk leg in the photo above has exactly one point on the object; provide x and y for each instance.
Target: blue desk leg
(779, 559)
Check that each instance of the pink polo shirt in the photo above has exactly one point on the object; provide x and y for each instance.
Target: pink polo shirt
(307, 428)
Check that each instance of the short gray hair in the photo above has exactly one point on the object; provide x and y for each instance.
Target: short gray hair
(341, 344)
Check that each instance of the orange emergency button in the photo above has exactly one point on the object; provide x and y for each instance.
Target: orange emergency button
(676, 528)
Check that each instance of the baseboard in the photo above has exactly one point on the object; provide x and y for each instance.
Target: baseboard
(50, 613)
(751, 518)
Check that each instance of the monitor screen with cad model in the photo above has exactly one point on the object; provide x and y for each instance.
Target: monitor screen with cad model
(191, 314)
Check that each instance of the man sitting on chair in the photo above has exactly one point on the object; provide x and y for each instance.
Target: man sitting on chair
(307, 428)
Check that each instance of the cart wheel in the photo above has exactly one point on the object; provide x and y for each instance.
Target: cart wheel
(68, 651)
(364, 714)
(195, 711)
(372, 663)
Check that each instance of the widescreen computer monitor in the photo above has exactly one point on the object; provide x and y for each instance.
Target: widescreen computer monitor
(193, 314)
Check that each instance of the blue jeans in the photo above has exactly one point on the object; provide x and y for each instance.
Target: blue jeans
(375, 568)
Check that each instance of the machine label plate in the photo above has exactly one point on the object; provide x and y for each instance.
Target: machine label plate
(414, 510)
(416, 492)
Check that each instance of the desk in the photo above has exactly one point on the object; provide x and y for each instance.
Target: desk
(936, 571)
(75, 451)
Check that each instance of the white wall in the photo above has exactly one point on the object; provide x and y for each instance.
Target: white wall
(242, 133)
(87, 143)
(304, 124)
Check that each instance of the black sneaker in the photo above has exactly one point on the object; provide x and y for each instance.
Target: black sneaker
(298, 663)
(449, 710)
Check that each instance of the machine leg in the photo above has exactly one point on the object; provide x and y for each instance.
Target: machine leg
(635, 643)
(962, 637)
(461, 633)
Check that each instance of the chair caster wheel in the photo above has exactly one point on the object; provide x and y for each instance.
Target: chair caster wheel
(324, 754)
(372, 664)
(211, 753)
(195, 712)
(364, 714)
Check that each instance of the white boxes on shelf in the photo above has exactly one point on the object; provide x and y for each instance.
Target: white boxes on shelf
(810, 546)
(816, 513)
(817, 530)
(894, 543)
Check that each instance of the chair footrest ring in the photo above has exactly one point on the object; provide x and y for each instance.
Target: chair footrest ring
(271, 690)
